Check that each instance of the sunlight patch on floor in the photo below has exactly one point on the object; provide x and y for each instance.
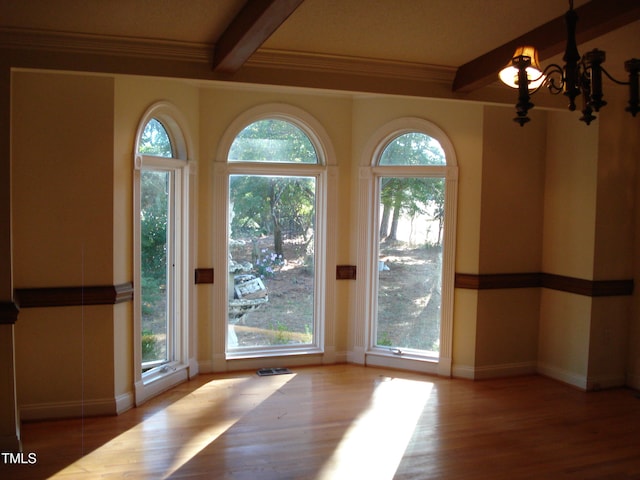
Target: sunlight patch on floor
(375, 443)
(200, 408)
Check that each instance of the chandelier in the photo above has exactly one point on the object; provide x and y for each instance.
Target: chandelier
(580, 77)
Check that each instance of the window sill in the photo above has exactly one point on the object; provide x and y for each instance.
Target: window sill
(384, 357)
(159, 380)
(239, 354)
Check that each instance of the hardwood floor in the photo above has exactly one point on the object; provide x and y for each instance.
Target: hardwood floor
(348, 422)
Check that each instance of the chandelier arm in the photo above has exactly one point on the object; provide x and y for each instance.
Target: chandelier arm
(613, 79)
(549, 82)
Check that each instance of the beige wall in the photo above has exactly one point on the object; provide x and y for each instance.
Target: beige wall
(510, 241)
(62, 157)
(62, 151)
(531, 199)
(588, 234)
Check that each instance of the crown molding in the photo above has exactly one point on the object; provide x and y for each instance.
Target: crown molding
(45, 41)
(338, 64)
(65, 42)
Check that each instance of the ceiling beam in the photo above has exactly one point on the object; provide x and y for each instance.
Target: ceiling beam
(595, 19)
(257, 20)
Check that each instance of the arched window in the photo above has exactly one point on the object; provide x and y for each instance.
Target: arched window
(273, 141)
(161, 250)
(411, 149)
(276, 180)
(155, 140)
(413, 180)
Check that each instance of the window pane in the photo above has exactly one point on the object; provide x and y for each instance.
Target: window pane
(274, 141)
(413, 149)
(271, 260)
(155, 140)
(154, 248)
(410, 263)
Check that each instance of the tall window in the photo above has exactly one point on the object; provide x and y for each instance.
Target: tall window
(411, 220)
(157, 253)
(274, 239)
(407, 236)
(161, 259)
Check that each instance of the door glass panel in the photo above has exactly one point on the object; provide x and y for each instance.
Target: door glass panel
(410, 264)
(155, 279)
(271, 280)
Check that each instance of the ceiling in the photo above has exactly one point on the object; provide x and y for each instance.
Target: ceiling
(446, 34)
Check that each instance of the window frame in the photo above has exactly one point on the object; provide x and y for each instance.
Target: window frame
(323, 343)
(180, 366)
(365, 350)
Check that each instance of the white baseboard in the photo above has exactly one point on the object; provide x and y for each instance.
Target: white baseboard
(69, 409)
(486, 372)
(356, 356)
(194, 368)
(205, 366)
(125, 402)
(147, 390)
(505, 370)
(463, 371)
(341, 357)
(571, 378)
(412, 365)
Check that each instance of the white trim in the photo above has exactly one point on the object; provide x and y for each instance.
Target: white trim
(470, 372)
(282, 361)
(370, 171)
(356, 355)
(194, 368)
(124, 402)
(561, 375)
(145, 390)
(402, 363)
(504, 370)
(183, 330)
(339, 357)
(463, 371)
(205, 366)
(80, 43)
(348, 65)
(174, 123)
(190, 54)
(326, 180)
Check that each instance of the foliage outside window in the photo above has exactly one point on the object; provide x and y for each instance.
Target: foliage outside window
(411, 222)
(274, 141)
(156, 281)
(272, 240)
(155, 140)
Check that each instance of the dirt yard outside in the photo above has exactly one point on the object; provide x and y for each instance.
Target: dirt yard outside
(408, 300)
